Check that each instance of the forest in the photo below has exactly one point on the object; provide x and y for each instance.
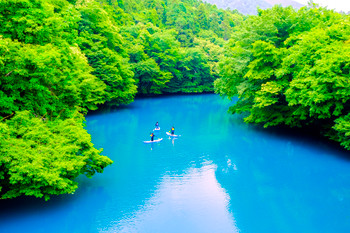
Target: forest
(62, 58)
(291, 68)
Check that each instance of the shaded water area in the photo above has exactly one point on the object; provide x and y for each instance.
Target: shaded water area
(221, 175)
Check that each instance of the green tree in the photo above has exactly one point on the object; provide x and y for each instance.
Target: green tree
(42, 158)
(46, 80)
(62, 58)
(103, 46)
(292, 71)
(150, 78)
(38, 21)
(46, 83)
(196, 72)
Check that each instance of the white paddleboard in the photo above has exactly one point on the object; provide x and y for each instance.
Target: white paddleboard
(172, 135)
(158, 140)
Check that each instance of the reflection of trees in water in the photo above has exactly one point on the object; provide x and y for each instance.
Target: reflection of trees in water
(263, 172)
(65, 213)
(277, 181)
(146, 174)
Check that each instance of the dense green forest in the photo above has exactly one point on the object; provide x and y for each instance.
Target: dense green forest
(291, 68)
(62, 58)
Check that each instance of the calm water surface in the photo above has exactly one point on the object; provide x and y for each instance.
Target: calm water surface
(220, 176)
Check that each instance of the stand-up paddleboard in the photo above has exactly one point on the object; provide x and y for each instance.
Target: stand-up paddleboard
(172, 135)
(158, 140)
(156, 129)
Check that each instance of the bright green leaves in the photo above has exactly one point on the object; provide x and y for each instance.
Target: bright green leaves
(191, 17)
(266, 60)
(150, 78)
(42, 158)
(268, 94)
(24, 20)
(102, 44)
(161, 39)
(321, 86)
(341, 131)
(46, 80)
(196, 72)
(154, 54)
(292, 69)
(61, 58)
(254, 52)
(38, 21)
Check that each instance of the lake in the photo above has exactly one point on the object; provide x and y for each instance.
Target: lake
(221, 175)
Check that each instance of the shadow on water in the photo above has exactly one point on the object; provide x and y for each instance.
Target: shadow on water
(64, 213)
(308, 136)
(285, 175)
(248, 163)
(108, 108)
(105, 109)
(29, 204)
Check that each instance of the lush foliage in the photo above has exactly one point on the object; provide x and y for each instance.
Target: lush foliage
(173, 46)
(291, 67)
(45, 81)
(62, 58)
(42, 158)
(101, 42)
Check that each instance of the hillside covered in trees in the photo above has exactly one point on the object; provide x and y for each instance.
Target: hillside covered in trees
(291, 68)
(62, 58)
(250, 6)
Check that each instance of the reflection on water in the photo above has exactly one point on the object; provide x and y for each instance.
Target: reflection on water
(220, 176)
(195, 199)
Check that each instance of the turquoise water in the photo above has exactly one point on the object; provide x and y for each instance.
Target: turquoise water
(220, 176)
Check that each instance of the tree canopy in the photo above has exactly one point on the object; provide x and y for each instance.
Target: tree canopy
(291, 68)
(62, 58)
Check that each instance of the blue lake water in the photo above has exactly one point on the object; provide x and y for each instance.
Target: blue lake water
(220, 176)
